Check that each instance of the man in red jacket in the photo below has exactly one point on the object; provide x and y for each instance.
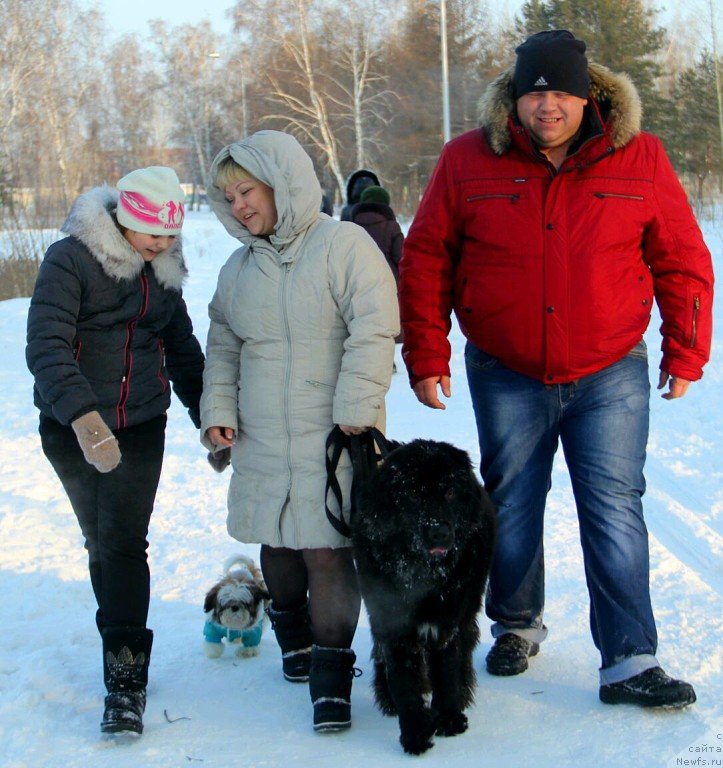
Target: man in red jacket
(549, 232)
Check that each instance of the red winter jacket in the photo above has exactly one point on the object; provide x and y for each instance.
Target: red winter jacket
(554, 273)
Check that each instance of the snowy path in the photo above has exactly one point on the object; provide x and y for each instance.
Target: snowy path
(241, 713)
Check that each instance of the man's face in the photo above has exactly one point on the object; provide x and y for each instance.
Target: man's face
(552, 117)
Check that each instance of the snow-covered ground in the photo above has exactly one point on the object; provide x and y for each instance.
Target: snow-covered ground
(240, 712)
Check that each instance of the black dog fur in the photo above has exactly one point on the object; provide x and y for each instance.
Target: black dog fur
(423, 542)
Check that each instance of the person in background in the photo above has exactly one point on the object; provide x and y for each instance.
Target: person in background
(374, 214)
(357, 182)
(326, 205)
(301, 338)
(107, 330)
(550, 231)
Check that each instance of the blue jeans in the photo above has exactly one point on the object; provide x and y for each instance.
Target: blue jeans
(602, 422)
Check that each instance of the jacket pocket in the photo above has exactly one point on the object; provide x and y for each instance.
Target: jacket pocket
(512, 197)
(694, 322)
(319, 384)
(618, 196)
(162, 366)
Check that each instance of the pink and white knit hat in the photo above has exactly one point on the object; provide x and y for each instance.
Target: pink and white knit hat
(151, 201)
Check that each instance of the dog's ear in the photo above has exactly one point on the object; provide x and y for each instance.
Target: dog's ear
(474, 486)
(210, 601)
(261, 593)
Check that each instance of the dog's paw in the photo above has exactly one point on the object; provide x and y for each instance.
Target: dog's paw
(213, 650)
(451, 723)
(246, 652)
(416, 736)
(416, 743)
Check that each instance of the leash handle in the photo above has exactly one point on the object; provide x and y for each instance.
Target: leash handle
(335, 443)
(364, 462)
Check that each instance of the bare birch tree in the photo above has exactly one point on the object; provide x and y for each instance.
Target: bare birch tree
(320, 69)
(51, 92)
(363, 100)
(193, 86)
(135, 104)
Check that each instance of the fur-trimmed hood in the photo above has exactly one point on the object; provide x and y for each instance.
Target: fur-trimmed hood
(92, 221)
(614, 93)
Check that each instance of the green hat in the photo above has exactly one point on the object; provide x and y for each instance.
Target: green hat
(374, 194)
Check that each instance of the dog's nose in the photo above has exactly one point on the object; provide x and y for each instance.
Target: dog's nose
(234, 608)
(439, 534)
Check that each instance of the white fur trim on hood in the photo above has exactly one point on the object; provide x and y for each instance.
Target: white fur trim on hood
(92, 221)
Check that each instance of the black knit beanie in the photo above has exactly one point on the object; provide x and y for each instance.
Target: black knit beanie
(551, 61)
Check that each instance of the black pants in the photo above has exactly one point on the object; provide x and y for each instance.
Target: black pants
(114, 510)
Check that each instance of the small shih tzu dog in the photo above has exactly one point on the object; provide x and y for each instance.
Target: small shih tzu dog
(235, 609)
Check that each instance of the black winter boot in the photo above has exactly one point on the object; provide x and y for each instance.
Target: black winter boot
(652, 688)
(126, 655)
(330, 679)
(509, 654)
(293, 634)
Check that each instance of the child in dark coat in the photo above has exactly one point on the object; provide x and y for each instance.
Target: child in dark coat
(108, 335)
(376, 216)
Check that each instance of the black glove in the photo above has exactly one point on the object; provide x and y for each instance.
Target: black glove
(220, 459)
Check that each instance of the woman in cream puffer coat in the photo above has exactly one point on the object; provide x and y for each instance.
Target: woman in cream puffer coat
(301, 338)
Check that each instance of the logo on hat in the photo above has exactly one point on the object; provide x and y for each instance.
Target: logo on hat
(169, 215)
(540, 82)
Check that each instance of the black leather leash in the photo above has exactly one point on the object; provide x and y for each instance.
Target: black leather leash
(364, 461)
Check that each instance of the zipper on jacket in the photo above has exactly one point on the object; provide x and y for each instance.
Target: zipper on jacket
(128, 355)
(162, 356)
(76, 349)
(694, 325)
(512, 197)
(602, 195)
(283, 290)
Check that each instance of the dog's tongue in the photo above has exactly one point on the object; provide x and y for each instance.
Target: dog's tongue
(438, 551)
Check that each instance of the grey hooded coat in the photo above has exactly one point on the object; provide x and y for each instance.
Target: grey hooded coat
(301, 338)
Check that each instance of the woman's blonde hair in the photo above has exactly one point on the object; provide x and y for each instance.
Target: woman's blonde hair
(229, 172)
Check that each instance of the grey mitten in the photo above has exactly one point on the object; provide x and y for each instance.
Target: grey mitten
(220, 459)
(97, 442)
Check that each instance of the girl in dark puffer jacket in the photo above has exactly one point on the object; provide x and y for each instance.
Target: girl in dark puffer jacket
(107, 329)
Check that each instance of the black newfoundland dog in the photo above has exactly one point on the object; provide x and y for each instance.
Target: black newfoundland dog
(423, 539)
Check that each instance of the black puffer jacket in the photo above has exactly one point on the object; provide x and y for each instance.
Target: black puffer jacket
(106, 330)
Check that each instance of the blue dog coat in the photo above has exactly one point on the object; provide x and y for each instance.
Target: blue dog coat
(214, 633)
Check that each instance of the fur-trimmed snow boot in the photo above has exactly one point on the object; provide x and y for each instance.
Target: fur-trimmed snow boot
(126, 655)
(330, 679)
(293, 634)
